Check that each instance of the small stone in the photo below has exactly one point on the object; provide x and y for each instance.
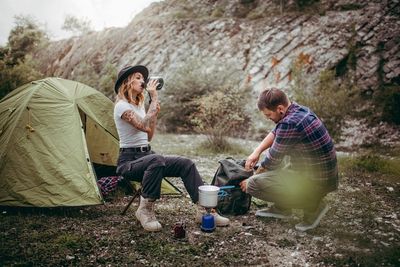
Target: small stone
(385, 244)
(69, 257)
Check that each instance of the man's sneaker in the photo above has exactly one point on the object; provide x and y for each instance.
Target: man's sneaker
(274, 212)
(312, 219)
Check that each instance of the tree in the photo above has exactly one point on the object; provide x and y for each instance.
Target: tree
(17, 66)
(78, 26)
(24, 38)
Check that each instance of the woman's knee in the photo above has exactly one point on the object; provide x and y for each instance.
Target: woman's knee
(182, 163)
(156, 161)
(187, 162)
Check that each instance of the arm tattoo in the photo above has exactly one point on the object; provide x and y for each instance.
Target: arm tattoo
(144, 124)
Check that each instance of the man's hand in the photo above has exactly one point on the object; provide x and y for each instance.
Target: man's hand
(252, 161)
(243, 185)
(260, 169)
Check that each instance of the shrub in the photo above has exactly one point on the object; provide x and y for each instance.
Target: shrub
(302, 4)
(328, 98)
(17, 75)
(389, 102)
(85, 73)
(218, 12)
(197, 77)
(107, 80)
(206, 98)
(221, 114)
(373, 163)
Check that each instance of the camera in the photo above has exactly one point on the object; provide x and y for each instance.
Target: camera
(159, 80)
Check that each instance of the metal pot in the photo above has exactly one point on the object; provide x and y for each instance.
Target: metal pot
(208, 196)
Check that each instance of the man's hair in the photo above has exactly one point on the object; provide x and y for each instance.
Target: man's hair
(271, 99)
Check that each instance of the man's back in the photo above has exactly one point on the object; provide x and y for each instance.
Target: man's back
(302, 135)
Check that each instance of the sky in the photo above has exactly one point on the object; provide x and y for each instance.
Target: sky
(51, 13)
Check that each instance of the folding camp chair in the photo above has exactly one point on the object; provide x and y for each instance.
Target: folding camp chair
(139, 191)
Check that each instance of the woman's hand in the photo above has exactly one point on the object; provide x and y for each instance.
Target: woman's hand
(151, 87)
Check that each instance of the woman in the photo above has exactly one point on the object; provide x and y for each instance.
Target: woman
(136, 159)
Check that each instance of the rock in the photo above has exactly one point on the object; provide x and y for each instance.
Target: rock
(390, 189)
(164, 42)
(69, 257)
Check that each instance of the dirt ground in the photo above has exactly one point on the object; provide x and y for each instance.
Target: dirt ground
(362, 228)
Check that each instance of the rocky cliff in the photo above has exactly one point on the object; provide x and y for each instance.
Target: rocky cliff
(358, 40)
(255, 35)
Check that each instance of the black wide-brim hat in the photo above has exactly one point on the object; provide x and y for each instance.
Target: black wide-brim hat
(128, 70)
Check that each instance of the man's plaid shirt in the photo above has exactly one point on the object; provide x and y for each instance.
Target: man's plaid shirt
(302, 136)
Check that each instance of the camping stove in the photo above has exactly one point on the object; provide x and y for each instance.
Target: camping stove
(208, 222)
(208, 198)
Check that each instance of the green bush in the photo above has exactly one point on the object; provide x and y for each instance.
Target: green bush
(370, 163)
(85, 73)
(185, 84)
(218, 12)
(327, 98)
(205, 97)
(389, 102)
(221, 114)
(107, 80)
(374, 163)
(17, 75)
(302, 4)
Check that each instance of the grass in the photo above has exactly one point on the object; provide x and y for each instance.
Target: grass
(388, 168)
(197, 145)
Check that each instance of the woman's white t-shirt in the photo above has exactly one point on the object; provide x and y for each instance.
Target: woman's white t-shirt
(129, 136)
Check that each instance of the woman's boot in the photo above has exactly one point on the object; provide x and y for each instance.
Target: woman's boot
(145, 214)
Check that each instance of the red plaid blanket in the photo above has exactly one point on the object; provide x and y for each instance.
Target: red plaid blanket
(108, 184)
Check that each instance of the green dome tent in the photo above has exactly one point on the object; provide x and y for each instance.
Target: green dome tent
(51, 131)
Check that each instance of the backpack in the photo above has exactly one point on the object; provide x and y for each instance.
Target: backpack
(231, 199)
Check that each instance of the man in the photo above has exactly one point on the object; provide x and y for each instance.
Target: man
(301, 135)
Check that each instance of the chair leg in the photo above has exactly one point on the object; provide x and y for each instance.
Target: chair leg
(138, 192)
